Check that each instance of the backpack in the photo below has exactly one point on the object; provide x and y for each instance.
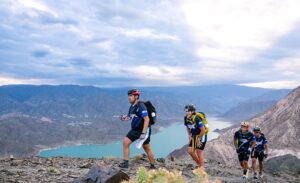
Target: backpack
(151, 112)
(202, 116)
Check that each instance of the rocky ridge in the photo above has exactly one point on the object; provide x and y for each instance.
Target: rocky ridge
(79, 170)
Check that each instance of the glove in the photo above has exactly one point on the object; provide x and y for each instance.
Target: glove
(199, 143)
(249, 150)
(266, 155)
(142, 136)
(124, 117)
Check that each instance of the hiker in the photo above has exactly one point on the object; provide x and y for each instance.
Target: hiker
(196, 135)
(140, 128)
(244, 141)
(260, 152)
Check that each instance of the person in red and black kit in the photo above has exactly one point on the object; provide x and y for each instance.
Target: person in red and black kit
(139, 127)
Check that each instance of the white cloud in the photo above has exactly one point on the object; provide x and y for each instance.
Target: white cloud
(4, 80)
(236, 31)
(30, 7)
(162, 74)
(147, 33)
(274, 84)
(288, 67)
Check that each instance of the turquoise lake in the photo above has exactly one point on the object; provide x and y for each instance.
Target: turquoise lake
(162, 143)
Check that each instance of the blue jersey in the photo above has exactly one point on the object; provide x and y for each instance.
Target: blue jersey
(243, 140)
(193, 124)
(137, 113)
(260, 143)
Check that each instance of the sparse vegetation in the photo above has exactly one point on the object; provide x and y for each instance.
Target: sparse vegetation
(164, 176)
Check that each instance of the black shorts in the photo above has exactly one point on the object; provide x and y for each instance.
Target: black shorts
(244, 156)
(203, 140)
(134, 135)
(258, 154)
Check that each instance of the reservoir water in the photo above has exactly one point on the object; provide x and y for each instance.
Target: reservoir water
(162, 143)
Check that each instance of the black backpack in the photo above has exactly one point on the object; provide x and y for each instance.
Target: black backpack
(151, 112)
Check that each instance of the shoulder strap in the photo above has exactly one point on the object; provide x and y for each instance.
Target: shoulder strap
(239, 133)
(137, 110)
(263, 136)
(194, 118)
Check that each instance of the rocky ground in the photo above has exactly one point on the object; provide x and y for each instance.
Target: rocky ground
(60, 169)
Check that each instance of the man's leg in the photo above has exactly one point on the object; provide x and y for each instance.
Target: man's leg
(245, 165)
(126, 148)
(254, 165)
(245, 169)
(149, 152)
(261, 167)
(193, 155)
(242, 164)
(200, 157)
(241, 160)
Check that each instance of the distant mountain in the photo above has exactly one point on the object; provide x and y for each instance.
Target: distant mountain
(34, 117)
(250, 108)
(280, 124)
(93, 102)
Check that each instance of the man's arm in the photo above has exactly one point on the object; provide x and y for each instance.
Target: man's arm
(146, 124)
(253, 142)
(235, 143)
(202, 132)
(189, 134)
(188, 131)
(267, 148)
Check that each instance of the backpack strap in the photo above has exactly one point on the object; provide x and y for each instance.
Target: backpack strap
(138, 108)
(194, 118)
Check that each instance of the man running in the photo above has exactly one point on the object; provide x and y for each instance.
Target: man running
(140, 128)
(195, 131)
(244, 141)
(260, 152)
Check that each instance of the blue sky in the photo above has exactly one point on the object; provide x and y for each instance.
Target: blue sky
(150, 43)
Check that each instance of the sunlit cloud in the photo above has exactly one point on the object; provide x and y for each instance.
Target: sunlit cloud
(274, 84)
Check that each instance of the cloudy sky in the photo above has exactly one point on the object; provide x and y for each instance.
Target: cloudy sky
(150, 43)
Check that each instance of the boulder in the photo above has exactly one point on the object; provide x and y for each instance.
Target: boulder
(103, 174)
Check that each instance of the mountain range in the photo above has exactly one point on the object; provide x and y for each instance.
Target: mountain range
(35, 117)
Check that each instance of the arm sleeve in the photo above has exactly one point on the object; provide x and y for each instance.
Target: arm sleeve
(143, 110)
(235, 135)
(129, 111)
(265, 141)
(199, 122)
(252, 137)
